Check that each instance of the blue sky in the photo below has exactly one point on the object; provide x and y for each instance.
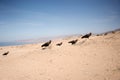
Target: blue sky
(32, 19)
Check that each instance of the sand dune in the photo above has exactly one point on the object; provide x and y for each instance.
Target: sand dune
(97, 58)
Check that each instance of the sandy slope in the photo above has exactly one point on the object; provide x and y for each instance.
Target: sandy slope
(97, 58)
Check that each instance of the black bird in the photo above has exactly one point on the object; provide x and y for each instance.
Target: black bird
(46, 44)
(59, 44)
(87, 35)
(6, 53)
(73, 41)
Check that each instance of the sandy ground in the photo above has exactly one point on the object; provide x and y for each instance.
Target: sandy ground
(97, 58)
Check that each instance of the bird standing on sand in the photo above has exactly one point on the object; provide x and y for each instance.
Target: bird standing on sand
(6, 53)
(46, 44)
(87, 35)
(59, 44)
(73, 41)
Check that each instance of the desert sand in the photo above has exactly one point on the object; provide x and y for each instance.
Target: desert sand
(96, 58)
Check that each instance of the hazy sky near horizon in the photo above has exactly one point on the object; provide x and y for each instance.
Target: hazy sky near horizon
(32, 19)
